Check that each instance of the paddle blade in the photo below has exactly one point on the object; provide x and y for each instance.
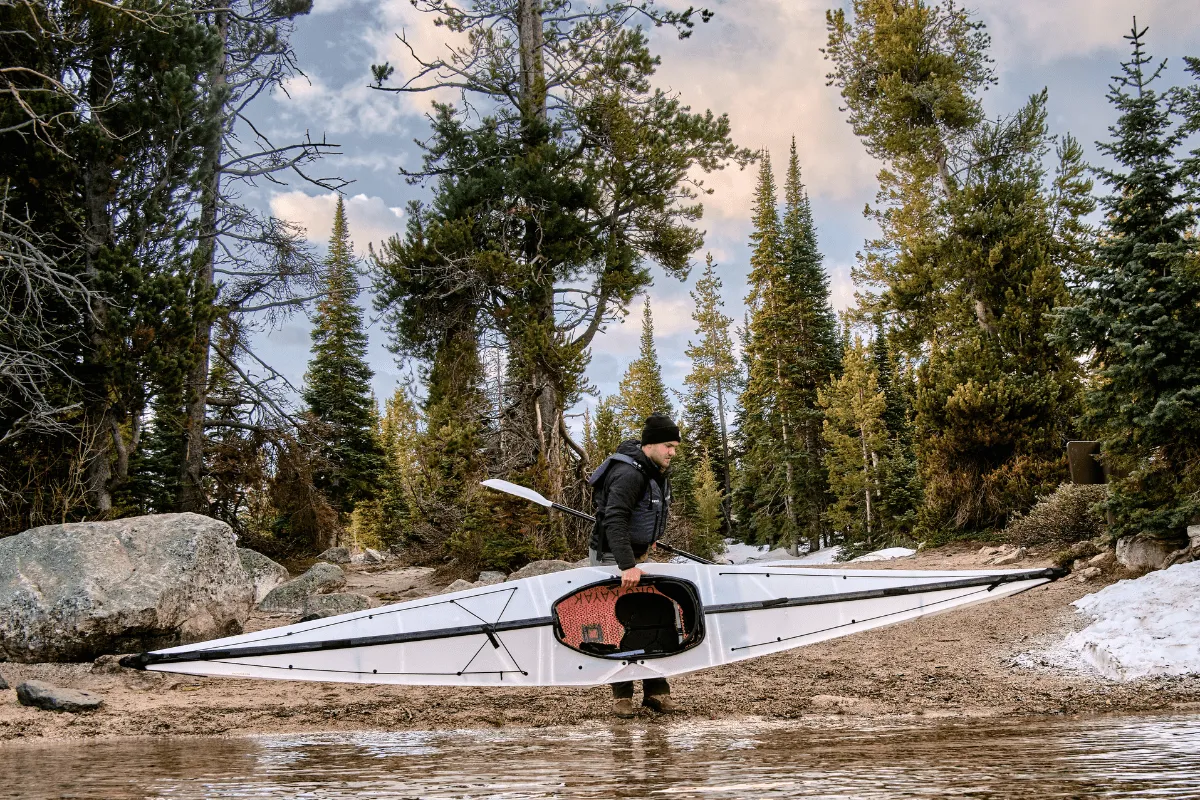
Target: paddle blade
(519, 491)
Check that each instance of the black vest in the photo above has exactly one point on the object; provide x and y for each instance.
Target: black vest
(647, 520)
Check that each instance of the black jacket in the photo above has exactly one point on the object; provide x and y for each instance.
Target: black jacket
(631, 507)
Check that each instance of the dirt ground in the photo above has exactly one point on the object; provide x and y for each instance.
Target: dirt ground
(959, 664)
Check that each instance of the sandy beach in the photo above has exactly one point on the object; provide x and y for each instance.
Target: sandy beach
(976, 662)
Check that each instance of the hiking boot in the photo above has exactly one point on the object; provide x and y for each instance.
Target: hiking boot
(623, 708)
(662, 703)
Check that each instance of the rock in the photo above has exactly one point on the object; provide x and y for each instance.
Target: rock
(264, 573)
(321, 578)
(1105, 559)
(76, 591)
(1009, 558)
(1142, 551)
(540, 568)
(3, 683)
(489, 578)
(370, 556)
(457, 586)
(990, 551)
(108, 665)
(51, 698)
(583, 562)
(336, 555)
(1085, 575)
(330, 605)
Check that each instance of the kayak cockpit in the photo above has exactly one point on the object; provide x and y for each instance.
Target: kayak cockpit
(659, 617)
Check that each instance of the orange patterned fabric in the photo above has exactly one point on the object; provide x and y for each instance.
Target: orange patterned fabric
(590, 616)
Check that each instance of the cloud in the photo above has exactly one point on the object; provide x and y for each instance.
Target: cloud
(1044, 32)
(371, 219)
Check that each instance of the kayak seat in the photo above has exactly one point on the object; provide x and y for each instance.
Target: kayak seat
(651, 620)
(659, 617)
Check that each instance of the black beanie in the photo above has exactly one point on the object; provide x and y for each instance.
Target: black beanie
(659, 428)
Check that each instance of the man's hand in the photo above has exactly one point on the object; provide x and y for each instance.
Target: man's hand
(630, 577)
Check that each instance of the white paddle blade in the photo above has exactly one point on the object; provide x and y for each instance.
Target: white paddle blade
(519, 491)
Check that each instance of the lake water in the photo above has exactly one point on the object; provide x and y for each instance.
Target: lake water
(1147, 756)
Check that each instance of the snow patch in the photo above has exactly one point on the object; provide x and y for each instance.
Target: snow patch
(1143, 627)
(887, 554)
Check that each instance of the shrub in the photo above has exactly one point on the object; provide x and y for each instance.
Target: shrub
(1065, 516)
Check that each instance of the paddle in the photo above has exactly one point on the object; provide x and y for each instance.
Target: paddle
(534, 497)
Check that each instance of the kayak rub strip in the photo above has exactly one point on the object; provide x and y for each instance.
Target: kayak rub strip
(578, 627)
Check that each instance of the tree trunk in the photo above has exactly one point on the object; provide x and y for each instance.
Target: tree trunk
(192, 496)
(727, 501)
(98, 186)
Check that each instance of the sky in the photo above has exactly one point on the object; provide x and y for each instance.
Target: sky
(759, 61)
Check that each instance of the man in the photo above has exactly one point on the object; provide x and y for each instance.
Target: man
(632, 495)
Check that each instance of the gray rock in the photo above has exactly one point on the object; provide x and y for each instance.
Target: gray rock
(371, 556)
(1009, 558)
(540, 568)
(330, 605)
(3, 683)
(1103, 560)
(336, 555)
(458, 586)
(1142, 551)
(321, 578)
(264, 573)
(52, 698)
(1085, 575)
(583, 562)
(490, 577)
(108, 665)
(74, 592)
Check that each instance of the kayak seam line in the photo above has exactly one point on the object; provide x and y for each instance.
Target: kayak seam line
(857, 621)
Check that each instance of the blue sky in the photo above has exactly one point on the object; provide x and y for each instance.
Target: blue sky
(758, 61)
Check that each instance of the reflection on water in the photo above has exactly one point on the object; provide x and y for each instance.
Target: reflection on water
(1096, 757)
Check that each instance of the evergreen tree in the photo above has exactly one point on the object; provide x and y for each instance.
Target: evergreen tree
(1136, 315)
(790, 351)
(708, 517)
(642, 391)
(608, 429)
(855, 436)
(338, 383)
(899, 477)
(714, 373)
(976, 239)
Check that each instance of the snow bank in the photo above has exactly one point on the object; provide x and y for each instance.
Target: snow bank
(1143, 627)
(886, 554)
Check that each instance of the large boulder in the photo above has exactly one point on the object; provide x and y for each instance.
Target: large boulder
(264, 573)
(540, 568)
(336, 555)
(1143, 552)
(52, 698)
(330, 605)
(321, 578)
(74, 592)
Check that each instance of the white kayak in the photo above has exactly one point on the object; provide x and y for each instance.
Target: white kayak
(578, 627)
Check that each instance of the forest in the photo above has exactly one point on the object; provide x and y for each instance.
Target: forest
(1014, 297)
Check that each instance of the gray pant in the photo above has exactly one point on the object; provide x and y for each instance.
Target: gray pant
(651, 687)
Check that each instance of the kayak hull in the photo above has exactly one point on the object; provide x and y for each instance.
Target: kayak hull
(509, 634)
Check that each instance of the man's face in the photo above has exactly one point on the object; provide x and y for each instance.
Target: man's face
(661, 454)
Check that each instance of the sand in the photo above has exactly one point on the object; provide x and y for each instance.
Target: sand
(974, 662)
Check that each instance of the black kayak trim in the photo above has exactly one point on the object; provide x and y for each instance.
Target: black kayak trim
(143, 660)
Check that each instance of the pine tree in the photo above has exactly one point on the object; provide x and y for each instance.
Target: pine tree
(714, 373)
(608, 429)
(338, 383)
(642, 391)
(899, 478)
(855, 436)
(708, 517)
(1136, 314)
(969, 268)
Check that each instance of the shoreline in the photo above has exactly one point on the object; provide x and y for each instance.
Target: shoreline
(979, 662)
